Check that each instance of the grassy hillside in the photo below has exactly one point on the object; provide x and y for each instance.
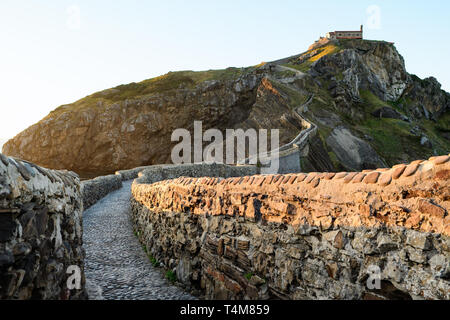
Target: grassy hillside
(393, 137)
(162, 84)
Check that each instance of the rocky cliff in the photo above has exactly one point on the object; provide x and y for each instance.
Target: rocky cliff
(369, 111)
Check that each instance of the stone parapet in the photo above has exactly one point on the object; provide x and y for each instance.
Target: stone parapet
(301, 235)
(40, 231)
(95, 189)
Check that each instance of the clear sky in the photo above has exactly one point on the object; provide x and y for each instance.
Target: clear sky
(56, 52)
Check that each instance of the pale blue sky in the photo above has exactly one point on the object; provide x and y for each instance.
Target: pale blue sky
(47, 58)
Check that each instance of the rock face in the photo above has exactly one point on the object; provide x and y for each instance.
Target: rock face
(386, 112)
(355, 153)
(428, 97)
(303, 236)
(131, 125)
(40, 232)
(375, 67)
(137, 132)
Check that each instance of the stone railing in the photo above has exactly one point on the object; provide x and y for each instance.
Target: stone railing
(95, 189)
(40, 231)
(297, 236)
(131, 174)
(288, 155)
(170, 171)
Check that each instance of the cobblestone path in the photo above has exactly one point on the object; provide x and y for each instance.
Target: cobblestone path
(116, 266)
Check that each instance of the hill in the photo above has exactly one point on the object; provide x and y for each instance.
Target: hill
(369, 110)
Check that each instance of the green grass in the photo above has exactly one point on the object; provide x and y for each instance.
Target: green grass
(285, 74)
(371, 101)
(443, 123)
(401, 105)
(152, 259)
(248, 275)
(392, 138)
(165, 83)
(170, 275)
(334, 160)
(296, 98)
(434, 132)
(303, 67)
(324, 132)
(328, 49)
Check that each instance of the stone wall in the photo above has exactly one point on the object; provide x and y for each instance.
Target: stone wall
(94, 190)
(300, 236)
(305, 153)
(132, 174)
(164, 172)
(40, 231)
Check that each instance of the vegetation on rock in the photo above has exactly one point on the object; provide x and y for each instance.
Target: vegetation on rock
(352, 82)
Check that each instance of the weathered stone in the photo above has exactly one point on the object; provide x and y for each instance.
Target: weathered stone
(359, 177)
(95, 189)
(7, 226)
(385, 243)
(325, 246)
(411, 169)
(243, 244)
(4, 159)
(315, 183)
(336, 238)
(418, 240)
(330, 175)
(416, 255)
(365, 210)
(22, 169)
(256, 280)
(340, 175)
(441, 160)
(230, 253)
(394, 270)
(332, 270)
(430, 208)
(372, 177)
(22, 249)
(440, 265)
(6, 259)
(385, 179)
(352, 151)
(305, 229)
(40, 232)
(183, 270)
(398, 171)
(311, 177)
(443, 175)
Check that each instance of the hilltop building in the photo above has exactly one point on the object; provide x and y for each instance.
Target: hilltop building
(345, 34)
